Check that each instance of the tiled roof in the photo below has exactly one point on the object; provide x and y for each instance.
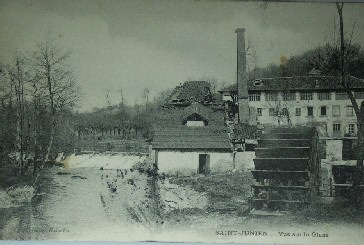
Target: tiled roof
(303, 83)
(172, 117)
(170, 133)
(184, 137)
(307, 83)
(191, 91)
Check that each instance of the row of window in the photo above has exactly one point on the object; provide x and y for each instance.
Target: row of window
(323, 111)
(289, 96)
(336, 128)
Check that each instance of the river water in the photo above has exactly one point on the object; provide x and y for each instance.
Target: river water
(85, 204)
(91, 203)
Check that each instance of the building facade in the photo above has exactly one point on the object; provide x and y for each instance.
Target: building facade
(313, 100)
(191, 141)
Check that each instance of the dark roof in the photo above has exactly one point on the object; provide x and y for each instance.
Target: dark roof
(244, 131)
(184, 137)
(303, 83)
(170, 133)
(191, 91)
(198, 109)
(308, 83)
(172, 117)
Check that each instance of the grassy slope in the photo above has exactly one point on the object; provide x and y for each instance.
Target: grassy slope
(226, 192)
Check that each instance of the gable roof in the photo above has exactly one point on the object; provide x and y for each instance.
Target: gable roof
(198, 109)
(191, 91)
(300, 83)
(170, 133)
(173, 117)
(307, 83)
(184, 137)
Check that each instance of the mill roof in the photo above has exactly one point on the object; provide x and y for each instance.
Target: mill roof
(191, 91)
(174, 116)
(170, 133)
(184, 137)
(300, 83)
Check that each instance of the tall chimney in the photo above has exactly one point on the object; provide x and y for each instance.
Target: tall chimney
(242, 85)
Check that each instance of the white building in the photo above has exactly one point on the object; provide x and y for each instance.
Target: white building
(316, 100)
(191, 141)
(309, 100)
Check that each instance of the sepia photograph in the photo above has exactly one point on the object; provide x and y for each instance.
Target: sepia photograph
(188, 121)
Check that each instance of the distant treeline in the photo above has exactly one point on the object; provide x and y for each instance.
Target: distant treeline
(117, 122)
(325, 58)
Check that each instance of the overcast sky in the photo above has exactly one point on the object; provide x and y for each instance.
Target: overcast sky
(130, 45)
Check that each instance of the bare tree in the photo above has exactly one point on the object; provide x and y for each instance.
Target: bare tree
(107, 93)
(359, 111)
(6, 115)
(18, 78)
(146, 93)
(50, 62)
(121, 92)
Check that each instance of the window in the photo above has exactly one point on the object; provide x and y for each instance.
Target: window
(359, 95)
(336, 110)
(351, 128)
(323, 110)
(284, 112)
(195, 120)
(298, 112)
(271, 96)
(195, 123)
(336, 127)
(272, 112)
(310, 111)
(259, 111)
(341, 96)
(324, 96)
(349, 111)
(254, 97)
(289, 96)
(306, 96)
(258, 82)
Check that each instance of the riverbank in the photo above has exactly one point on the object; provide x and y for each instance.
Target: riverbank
(14, 207)
(16, 193)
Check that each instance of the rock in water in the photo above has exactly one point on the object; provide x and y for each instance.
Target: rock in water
(78, 177)
(63, 173)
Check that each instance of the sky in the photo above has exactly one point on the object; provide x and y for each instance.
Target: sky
(127, 46)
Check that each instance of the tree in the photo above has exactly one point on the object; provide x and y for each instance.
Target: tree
(7, 116)
(19, 78)
(145, 95)
(359, 111)
(50, 63)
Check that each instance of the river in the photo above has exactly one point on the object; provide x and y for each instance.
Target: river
(85, 203)
(90, 203)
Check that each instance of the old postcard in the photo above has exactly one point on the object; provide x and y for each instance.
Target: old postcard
(182, 121)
